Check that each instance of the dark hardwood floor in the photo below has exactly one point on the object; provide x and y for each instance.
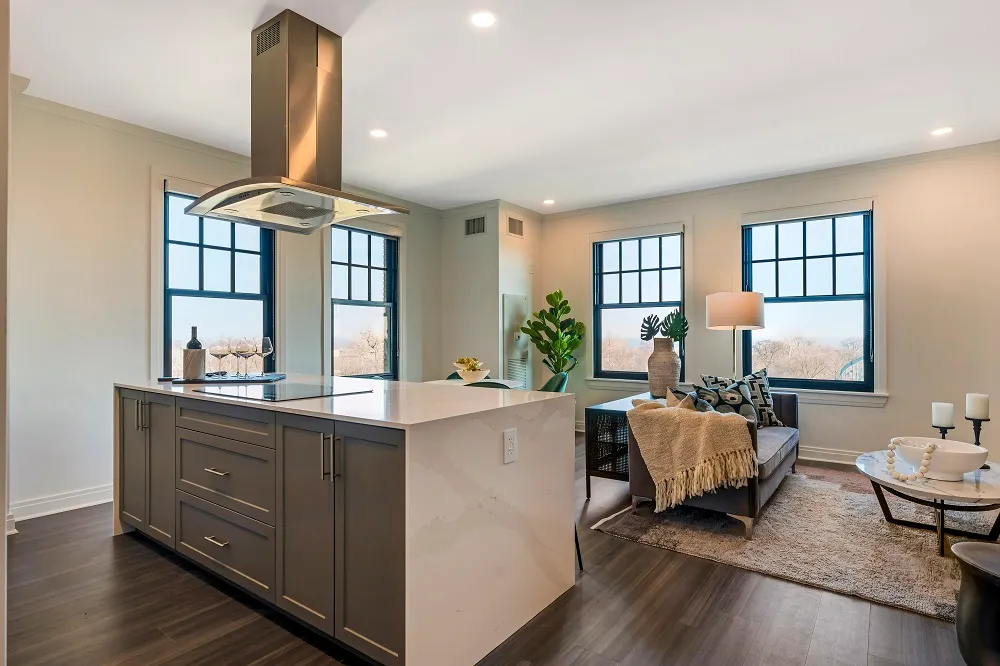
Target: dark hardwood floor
(79, 596)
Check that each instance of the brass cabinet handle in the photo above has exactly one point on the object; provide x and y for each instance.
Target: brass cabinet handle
(212, 470)
(215, 542)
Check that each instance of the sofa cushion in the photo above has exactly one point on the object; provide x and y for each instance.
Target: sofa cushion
(760, 393)
(774, 444)
(733, 399)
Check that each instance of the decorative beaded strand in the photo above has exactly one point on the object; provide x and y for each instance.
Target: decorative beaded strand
(924, 464)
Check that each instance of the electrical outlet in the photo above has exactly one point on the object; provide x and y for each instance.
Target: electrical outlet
(509, 446)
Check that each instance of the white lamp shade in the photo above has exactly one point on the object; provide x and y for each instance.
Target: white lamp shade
(735, 310)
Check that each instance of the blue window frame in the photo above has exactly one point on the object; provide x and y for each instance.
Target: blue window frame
(218, 276)
(633, 278)
(816, 277)
(364, 303)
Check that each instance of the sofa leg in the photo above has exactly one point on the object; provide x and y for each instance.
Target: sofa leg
(793, 468)
(747, 525)
(635, 504)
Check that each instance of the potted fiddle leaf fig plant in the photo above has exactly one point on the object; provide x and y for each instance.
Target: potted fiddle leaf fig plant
(664, 364)
(555, 334)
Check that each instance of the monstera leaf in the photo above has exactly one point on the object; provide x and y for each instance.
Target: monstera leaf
(675, 326)
(650, 326)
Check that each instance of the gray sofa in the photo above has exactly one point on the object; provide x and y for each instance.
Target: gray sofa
(777, 450)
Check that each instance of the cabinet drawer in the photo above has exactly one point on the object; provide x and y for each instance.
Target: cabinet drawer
(234, 546)
(235, 475)
(244, 424)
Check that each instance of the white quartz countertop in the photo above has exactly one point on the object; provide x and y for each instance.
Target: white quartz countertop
(391, 404)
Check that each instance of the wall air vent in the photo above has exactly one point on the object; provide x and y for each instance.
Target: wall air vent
(475, 226)
(515, 227)
(269, 37)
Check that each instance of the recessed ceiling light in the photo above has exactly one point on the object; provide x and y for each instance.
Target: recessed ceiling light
(941, 131)
(379, 133)
(483, 19)
(549, 202)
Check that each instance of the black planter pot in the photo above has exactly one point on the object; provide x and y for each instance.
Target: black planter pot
(978, 617)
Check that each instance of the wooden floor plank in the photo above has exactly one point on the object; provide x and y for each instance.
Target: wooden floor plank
(840, 636)
(76, 595)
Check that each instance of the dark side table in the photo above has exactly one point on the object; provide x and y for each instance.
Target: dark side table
(607, 439)
(978, 615)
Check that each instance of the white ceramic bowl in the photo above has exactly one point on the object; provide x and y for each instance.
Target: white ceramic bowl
(950, 461)
(470, 376)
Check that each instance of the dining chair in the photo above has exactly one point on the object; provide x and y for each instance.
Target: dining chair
(486, 384)
(556, 384)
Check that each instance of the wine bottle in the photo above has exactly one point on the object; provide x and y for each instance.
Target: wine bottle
(193, 342)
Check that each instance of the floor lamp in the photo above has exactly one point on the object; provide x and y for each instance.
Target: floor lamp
(735, 311)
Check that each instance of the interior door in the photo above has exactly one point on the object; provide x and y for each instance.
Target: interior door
(305, 520)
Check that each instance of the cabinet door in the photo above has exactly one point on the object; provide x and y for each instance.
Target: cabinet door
(132, 469)
(304, 507)
(370, 480)
(158, 423)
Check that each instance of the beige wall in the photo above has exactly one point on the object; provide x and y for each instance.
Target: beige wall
(470, 297)
(81, 299)
(937, 233)
(518, 262)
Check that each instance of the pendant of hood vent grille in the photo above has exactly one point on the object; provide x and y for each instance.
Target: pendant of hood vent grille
(296, 210)
(269, 38)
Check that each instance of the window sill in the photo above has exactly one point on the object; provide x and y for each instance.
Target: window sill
(631, 386)
(840, 398)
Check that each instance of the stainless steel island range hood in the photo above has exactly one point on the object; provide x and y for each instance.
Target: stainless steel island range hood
(295, 135)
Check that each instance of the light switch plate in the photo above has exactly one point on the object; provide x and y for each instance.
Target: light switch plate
(509, 446)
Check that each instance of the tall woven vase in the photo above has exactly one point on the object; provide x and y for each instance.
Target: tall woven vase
(664, 367)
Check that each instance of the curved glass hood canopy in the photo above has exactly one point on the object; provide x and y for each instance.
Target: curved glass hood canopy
(295, 136)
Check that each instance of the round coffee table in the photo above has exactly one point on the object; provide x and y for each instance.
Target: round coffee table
(978, 491)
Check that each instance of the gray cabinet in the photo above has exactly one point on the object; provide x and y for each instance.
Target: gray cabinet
(305, 524)
(132, 466)
(370, 529)
(147, 463)
(158, 424)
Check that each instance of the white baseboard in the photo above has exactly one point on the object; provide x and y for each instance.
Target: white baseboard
(10, 524)
(44, 506)
(580, 426)
(828, 455)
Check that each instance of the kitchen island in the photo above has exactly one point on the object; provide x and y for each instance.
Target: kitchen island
(387, 520)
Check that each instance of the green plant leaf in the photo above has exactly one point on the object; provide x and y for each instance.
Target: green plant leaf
(675, 326)
(555, 335)
(650, 326)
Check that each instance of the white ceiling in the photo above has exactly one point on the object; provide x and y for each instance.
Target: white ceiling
(583, 101)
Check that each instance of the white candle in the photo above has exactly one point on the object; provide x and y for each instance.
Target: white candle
(942, 415)
(977, 406)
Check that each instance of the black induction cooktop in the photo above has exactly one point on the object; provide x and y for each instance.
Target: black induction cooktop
(278, 392)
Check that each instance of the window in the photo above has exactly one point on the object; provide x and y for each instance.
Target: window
(816, 277)
(219, 276)
(364, 303)
(633, 278)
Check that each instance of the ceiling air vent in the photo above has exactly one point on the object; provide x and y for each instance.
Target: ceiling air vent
(269, 37)
(475, 226)
(515, 227)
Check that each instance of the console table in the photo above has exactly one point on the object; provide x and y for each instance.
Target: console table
(607, 438)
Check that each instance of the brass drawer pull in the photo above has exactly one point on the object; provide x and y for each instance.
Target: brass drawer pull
(212, 470)
(212, 540)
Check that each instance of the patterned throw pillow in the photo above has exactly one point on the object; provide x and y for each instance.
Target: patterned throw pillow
(678, 397)
(760, 394)
(733, 399)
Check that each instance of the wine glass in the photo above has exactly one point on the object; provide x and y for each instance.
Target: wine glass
(220, 350)
(264, 349)
(243, 349)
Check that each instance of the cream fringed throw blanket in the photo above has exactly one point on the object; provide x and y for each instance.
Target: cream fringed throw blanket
(688, 452)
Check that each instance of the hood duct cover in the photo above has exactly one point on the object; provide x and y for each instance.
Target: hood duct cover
(295, 136)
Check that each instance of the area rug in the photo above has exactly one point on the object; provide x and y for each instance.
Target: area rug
(823, 528)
